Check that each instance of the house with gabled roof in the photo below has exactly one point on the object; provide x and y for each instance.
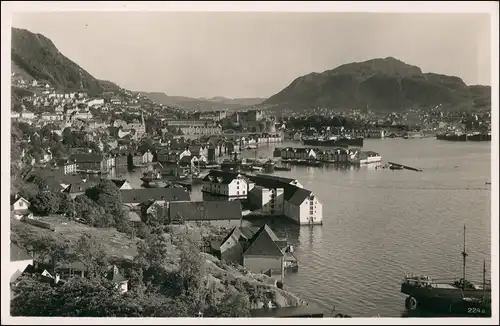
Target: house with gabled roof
(227, 184)
(19, 206)
(20, 259)
(122, 184)
(120, 282)
(302, 206)
(272, 195)
(264, 254)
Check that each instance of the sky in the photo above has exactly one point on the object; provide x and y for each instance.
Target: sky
(244, 54)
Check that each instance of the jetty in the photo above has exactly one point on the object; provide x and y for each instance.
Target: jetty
(406, 167)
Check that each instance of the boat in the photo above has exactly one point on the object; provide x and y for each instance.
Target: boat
(334, 141)
(459, 136)
(413, 135)
(155, 184)
(458, 296)
(269, 166)
(151, 176)
(282, 168)
(395, 167)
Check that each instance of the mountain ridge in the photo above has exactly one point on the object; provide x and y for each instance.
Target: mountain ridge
(382, 84)
(38, 57)
(216, 102)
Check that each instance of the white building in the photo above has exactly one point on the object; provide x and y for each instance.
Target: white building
(284, 196)
(95, 102)
(268, 201)
(27, 115)
(302, 206)
(46, 116)
(232, 185)
(82, 114)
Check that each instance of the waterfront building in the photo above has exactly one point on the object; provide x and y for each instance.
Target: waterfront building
(216, 212)
(134, 197)
(228, 184)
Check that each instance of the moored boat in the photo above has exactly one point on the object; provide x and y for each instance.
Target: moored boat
(454, 296)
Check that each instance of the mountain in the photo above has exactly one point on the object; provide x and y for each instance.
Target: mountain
(37, 56)
(382, 84)
(201, 103)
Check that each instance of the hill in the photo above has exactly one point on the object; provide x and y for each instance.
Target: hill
(37, 56)
(201, 103)
(382, 84)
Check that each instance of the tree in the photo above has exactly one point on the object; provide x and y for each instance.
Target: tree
(156, 216)
(68, 138)
(33, 298)
(93, 214)
(191, 269)
(153, 252)
(90, 251)
(45, 203)
(236, 305)
(66, 204)
(107, 195)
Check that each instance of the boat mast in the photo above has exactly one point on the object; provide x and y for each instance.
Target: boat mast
(484, 278)
(464, 255)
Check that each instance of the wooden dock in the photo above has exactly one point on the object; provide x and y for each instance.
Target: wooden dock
(406, 167)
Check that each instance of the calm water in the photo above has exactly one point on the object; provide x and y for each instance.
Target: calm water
(379, 224)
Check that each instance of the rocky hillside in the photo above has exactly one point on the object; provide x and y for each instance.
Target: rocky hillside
(201, 103)
(382, 84)
(38, 57)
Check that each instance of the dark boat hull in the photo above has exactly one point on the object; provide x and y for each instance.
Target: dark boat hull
(480, 137)
(344, 142)
(448, 300)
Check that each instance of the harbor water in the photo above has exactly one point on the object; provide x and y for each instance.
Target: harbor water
(379, 224)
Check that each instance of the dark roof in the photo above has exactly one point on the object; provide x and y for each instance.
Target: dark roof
(266, 182)
(276, 178)
(18, 254)
(249, 231)
(225, 177)
(309, 310)
(246, 232)
(15, 198)
(78, 185)
(87, 158)
(119, 183)
(142, 195)
(114, 275)
(296, 195)
(263, 243)
(206, 210)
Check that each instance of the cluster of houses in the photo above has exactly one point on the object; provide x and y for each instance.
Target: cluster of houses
(259, 250)
(267, 195)
(335, 155)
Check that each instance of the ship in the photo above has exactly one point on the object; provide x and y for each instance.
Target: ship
(458, 297)
(151, 176)
(334, 141)
(473, 136)
(413, 135)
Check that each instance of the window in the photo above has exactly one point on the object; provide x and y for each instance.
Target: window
(237, 192)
